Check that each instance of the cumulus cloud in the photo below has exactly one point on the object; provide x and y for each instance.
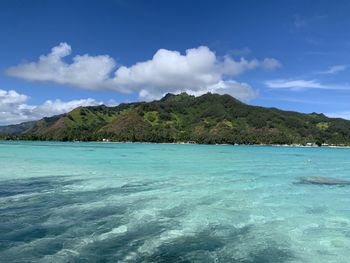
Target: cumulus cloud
(171, 70)
(270, 64)
(301, 84)
(88, 72)
(11, 97)
(197, 71)
(14, 108)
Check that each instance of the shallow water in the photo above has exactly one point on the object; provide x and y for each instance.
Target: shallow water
(115, 202)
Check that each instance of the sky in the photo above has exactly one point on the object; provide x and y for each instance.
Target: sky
(58, 55)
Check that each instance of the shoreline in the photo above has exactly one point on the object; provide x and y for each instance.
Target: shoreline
(191, 143)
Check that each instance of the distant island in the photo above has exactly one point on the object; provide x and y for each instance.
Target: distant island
(207, 119)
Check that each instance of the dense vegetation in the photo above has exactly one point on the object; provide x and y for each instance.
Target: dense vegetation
(210, 118)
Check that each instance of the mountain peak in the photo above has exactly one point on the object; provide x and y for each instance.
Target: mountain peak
(177, 97)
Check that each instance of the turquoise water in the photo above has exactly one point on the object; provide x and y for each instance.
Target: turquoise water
(111, 202)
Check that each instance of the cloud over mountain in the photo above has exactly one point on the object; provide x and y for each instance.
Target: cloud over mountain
(14, 107)
(197, 71)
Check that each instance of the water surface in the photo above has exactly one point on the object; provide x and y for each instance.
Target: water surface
(115, 202)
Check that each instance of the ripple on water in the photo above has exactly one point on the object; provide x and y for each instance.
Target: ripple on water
(167, 203)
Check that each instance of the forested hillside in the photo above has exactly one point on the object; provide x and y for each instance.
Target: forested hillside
(210, 118)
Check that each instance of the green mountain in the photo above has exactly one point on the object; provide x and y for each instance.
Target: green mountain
(17, 128)
(210, 118)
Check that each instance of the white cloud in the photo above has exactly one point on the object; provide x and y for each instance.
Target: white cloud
(171, 70)
(197, 71)
(11, 97)
(270, 64)
(301, 84)
(238, 90)
(85, 71)
(237, 67)
(14, 108)
(293, 84)
(241, 91)
(54, 107)
(341, 114)
(334, 69)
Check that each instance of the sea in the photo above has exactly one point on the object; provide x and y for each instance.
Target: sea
(138, 202)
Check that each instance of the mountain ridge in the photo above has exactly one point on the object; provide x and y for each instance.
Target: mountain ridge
(210, 118)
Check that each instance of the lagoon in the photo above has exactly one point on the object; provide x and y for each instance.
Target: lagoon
(122, 202)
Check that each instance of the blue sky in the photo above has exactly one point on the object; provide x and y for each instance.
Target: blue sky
(56, 55)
